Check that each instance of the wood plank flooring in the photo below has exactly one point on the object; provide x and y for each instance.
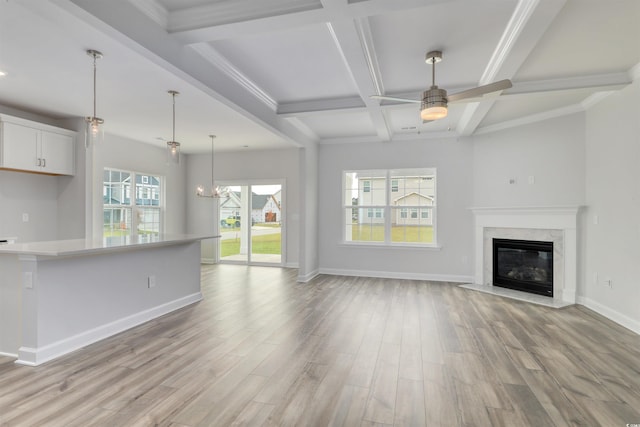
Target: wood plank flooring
(261, 349)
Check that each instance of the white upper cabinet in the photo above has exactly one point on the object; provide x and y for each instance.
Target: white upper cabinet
(35, 147)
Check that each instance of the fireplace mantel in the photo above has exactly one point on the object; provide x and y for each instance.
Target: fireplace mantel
(559, 221)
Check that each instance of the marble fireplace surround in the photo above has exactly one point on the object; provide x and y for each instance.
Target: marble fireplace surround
(556, 223)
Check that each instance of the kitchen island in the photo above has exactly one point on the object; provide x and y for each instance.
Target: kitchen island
(59, 296)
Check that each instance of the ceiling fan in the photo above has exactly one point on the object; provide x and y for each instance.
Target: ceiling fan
(434, 101)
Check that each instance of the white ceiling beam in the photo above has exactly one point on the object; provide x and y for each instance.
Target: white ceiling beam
(527, 25)
(127, 24)
(348, 42)
(218, 21)
(598, 82)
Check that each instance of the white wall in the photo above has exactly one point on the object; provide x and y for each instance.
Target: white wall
(245, 166)
(453, 160)
(611, 247)
(121, 153)
(552, 152)
(31, 194)
(51, 202)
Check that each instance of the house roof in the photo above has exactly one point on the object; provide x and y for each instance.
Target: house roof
(288, 73)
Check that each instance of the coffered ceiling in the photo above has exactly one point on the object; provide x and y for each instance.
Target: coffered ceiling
(279, 73)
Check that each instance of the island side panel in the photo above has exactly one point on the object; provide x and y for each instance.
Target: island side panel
(10, 305)
(78, 300)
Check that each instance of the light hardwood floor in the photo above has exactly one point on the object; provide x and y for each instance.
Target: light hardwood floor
(261, 349)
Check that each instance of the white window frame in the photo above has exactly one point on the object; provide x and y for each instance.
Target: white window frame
(422, 212)
(133, 190)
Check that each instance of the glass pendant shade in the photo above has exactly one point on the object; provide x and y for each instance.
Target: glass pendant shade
(95, 130)
(173, 152)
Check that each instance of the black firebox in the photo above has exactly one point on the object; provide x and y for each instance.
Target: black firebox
(523, 265)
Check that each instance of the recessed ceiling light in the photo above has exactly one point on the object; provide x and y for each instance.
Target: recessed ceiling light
(2, 73)
(245, 146)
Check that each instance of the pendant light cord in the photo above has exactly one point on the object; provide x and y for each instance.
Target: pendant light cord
(174, 117)
(212, 161)
(94, 85)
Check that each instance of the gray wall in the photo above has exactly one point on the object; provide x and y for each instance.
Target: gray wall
(244, 167)
(453, 160)
(611, 247)
(40, 196)
(121, 153)
(552, 152)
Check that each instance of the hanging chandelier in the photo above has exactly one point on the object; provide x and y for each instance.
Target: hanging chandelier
(173, 147)
(215, 192)
(95, 131)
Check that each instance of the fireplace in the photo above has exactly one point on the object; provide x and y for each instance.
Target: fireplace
(523, 265)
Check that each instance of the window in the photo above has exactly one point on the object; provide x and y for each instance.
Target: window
(124, 216)
(391, 207)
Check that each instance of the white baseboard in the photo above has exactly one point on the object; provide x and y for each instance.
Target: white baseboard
(36, 356)
(610, 314)
(2, 353)
(207, 261)
(307, 277)
(399, 275)
(291, 265)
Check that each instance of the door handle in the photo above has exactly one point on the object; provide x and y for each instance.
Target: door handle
(44, 163)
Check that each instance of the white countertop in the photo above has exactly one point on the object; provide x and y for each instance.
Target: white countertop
(56, 248)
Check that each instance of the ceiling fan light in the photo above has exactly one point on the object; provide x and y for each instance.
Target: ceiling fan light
(434, 104)
(433, 113)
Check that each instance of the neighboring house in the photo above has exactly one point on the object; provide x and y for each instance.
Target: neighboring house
(230, 206)
(413, 215)
(413, 195)
(264, 207)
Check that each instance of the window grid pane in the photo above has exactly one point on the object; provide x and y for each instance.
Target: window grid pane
(411, 206)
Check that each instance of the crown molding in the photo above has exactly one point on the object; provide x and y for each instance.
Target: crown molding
(215, 58)
(533, 118)
(220, 13)
(154, 10)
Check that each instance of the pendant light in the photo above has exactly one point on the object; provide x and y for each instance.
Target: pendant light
(95, 131)
(173, 147)
(216, 192)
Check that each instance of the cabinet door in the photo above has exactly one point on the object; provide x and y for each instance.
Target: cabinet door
(57, 153)
(19, 147)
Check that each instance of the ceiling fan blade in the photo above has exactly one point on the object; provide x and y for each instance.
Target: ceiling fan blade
(480, 90)
(391, 98)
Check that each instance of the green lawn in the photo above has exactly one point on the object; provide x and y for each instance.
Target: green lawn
(407, 234)
(266, 244)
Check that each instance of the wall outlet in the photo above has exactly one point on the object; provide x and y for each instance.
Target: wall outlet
(608, 283)
(532, 179)
(151, 281)
(25, 217)
(512, 181)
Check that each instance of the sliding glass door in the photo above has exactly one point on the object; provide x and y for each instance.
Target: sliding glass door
(251, 224)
